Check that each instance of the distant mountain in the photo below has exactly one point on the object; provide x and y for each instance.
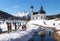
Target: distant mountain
(53, 16)
(22, 16)
(25, 15)
(5, 15)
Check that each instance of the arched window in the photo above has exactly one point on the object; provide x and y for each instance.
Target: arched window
(41, 17)
(53, 23)
(36, 17)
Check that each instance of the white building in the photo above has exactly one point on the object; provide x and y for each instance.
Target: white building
(41, 14)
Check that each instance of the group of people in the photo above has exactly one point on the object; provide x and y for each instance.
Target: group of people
(10, 29)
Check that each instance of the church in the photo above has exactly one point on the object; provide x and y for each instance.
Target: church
(41, 14)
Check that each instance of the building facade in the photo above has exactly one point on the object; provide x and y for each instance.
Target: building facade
(41, 14)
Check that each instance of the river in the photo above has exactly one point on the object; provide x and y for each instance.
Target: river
(46, 37)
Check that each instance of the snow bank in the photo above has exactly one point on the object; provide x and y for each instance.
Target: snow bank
(22, 36)
(45, 23)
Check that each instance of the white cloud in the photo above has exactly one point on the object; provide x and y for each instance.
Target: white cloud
(15, 7)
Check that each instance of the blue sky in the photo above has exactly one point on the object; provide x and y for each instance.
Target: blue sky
(14, 6)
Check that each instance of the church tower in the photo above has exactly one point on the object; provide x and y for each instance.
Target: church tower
(31, 12)
(42, 13)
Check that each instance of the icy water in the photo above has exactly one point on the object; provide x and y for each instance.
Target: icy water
(47, 37)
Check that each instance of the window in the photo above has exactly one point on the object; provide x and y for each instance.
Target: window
(53, 23)
(36, 17)
(0, 22)
(41, 17)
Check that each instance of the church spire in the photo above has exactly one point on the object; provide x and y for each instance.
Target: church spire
(41, 10)
(32, 7)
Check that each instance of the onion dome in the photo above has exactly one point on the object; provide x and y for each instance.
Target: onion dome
(42, 11)
(31, 6)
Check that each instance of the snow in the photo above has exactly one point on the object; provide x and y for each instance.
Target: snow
(32, 26)
(21, 14)
(45, 23)
(20, 35)
(14, 35)
(3, 26)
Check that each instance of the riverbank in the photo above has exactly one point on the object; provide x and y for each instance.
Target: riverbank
(43, 35)
(56, 35)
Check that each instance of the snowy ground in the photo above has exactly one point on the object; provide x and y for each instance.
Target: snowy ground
(20, 35)
(15, 36)
(29, 32)
(46, 23)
